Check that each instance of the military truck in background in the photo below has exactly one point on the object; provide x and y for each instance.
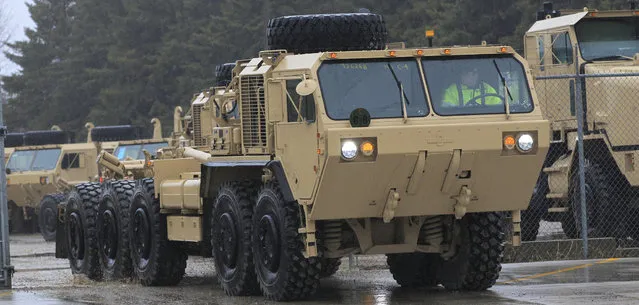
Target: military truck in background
(588, 42)
(331, 142)
(48, 164)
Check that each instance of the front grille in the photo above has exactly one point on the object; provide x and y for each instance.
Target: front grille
(253, 112)
(197, 126)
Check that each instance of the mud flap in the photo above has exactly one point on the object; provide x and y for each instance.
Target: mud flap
(61, 233)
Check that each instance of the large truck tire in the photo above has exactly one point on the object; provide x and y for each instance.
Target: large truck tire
(113, 224)
(224, 74)
(156, 260)
(231, 229)
(330, 266)
(44, 137)
(117, 133)
(327, 32)
(477, 263)
(82, 241)
(413, 270)
(284, 274)
(47, 217)
(17, 223)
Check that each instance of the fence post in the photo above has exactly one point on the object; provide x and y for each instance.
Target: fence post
(5, 264)
(580, 149)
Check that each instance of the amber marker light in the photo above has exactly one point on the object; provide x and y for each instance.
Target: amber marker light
(503, 49)
(333, 55)
(420, 52)
(392, 53)
(509, 142)
(447, 51)
(367, 148)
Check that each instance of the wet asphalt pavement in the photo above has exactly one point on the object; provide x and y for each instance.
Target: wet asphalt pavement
(40, 278)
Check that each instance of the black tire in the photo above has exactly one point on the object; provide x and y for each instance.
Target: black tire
(327, 32)
(48, 215)
(330, 266)
(113, 224)
(413, 270)
(82, 242)
(17, 223)
(537, 209)
(43, 137)
(156, 260)
(14, 139)
(231, 229)
(224, 74)
(477, 263)
(604, 214)
(117, 133)
(284, 274)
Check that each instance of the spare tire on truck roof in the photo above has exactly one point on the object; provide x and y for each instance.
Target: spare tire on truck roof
(327, 32)
(44, 137)
(224, 74)
(117, 133)
(14, 139)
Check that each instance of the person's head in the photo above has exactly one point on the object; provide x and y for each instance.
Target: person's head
(469, 76)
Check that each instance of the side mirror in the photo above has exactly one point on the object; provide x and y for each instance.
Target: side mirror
(306, 87)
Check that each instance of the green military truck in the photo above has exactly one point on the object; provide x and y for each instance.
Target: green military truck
(327, 144)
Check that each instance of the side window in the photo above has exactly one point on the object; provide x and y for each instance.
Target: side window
(71, 160)
(540, 46)
(299, 105)
(561, 48)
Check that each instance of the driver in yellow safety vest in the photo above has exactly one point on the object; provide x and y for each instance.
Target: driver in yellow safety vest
(470, 88)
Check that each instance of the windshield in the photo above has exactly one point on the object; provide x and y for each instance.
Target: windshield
(607, 38)
(33, 160)
(478, 82)
(374, 85)
(134, 151)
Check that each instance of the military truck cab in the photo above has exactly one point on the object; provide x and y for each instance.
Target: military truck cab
(591, 43)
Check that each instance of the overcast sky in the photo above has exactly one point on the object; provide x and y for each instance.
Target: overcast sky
(19, 18)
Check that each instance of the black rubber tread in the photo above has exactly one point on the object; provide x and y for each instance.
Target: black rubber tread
(605, 215)
(14, 139)
(327, 32)
(50, 201)
(44, 137)
(538, 207)
(117, 133)
(242, 195)
(84, 198)
(477, 264)
(167, 261)
(298, 277)
(413, 270)
(224, 74)
(17, 223)
(120, 193)
(329, 266)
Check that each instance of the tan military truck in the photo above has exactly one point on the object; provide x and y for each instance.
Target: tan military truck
(40, 172)
(340, 146)
(589, 42)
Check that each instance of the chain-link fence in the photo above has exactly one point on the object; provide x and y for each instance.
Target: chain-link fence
(600, 109)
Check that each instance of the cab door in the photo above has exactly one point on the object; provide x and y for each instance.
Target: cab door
(76, 166)
(296, 141)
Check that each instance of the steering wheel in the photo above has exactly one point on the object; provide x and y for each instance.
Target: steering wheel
(473, 101)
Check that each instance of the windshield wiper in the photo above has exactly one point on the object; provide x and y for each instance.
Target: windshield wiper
(503, 81)
(610, 57)
(404, 100)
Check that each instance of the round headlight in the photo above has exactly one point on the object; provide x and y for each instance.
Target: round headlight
(525, 142)
(349, 150)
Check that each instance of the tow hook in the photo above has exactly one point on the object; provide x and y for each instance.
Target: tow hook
(391, 204)
(463, 200)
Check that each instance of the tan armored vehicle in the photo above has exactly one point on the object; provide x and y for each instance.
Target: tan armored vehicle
(40, 172)
(591, 43)
(319, 148)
